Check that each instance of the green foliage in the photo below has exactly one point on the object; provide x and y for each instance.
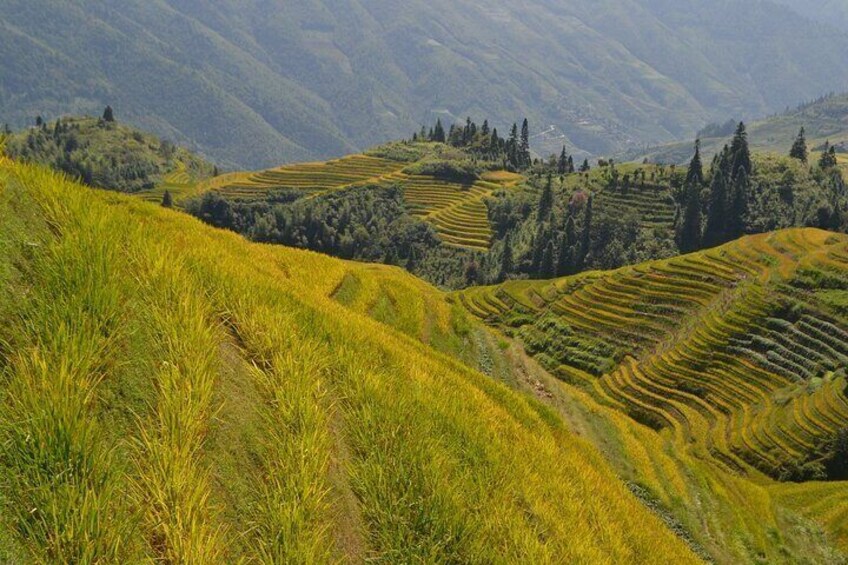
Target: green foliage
(463, 171)
(104, 154)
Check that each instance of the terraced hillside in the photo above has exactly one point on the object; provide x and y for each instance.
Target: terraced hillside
(736, 356)
(642, 189)
(174, 393)
(727, 348)
(458, 212)
(178, 183)
(309, 178)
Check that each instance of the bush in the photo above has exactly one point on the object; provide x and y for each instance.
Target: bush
(464, 171)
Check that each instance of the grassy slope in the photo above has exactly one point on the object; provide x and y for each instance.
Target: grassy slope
(174, 392)
(658, 335)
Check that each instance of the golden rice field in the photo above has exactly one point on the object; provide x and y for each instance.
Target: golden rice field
(734, 356)
(310, 178)
(178, 183)
(458, 212)
(173, 393)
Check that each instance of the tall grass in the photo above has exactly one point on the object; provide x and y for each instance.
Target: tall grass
(444, 464)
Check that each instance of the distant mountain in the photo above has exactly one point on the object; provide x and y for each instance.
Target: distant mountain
(832, 12)
(255, 83)
(824, 120)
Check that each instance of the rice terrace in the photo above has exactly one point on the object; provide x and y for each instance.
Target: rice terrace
(424, 282)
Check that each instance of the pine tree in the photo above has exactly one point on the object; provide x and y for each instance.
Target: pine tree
(565, 261)
(439, 132)
(167, 200)
(715, 231)
(562, 164)
(546, 202)
(215, 171)
(740, 153)
(570, 168)
(537, 248)
(494, 144)
(695, 174)
(524, 148)
(738, 206)
(484, 129)
(799, 148)
(689, 231)
(108, 114)
(506, 260)
(585, 168)
(546, 270)
(586, 236)
(828, 156)
(39, 121)
(512, 147)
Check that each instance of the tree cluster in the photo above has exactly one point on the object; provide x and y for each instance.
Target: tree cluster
(484, 143)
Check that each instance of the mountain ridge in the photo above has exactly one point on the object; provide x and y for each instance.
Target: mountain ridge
(255, 85)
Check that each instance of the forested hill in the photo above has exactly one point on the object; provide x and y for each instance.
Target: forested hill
(254, 83)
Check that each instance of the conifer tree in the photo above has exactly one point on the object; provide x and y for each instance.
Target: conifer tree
(799, 148)
(562, 163)
(39, 121)
(738, 206)
(167, 200)
(740, 153)
(565, 261)
(715, 231)
(570, 168)
(585, 167)
(512, 147)
(439, 132)
(828, 156)
(506, 260)
(484, 129)
(494, 144)
(524, 148)
(546, 270)
(689, 231)
(546, 202)
(108, 114)
(586, 236)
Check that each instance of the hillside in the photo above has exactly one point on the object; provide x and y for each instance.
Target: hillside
(109, 155)
(823, 120)
(255, 84)
(172, 392)
(733, 357)
(830, 12)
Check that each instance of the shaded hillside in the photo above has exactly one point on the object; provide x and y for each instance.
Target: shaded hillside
(255, 84)
(823, 120)
(830, 12)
